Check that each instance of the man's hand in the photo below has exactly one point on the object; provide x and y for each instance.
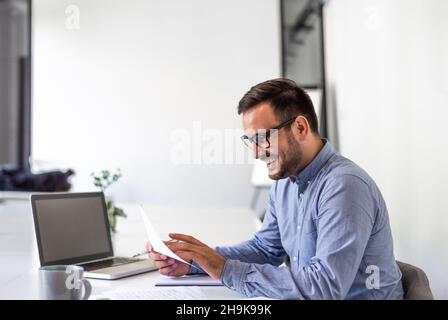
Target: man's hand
(168, 266)
(190, 248)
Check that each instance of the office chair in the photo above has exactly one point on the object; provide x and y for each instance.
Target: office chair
(415, 283)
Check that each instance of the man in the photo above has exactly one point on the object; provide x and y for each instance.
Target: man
(325, 214)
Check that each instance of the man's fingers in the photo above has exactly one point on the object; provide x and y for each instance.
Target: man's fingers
(187, 255)
(184, 255)
(184, 246)
(185, 238)
(168, 269)
(167, 242)
(157, 256)
(161, 265)
(148, 246)
(191, 255)
(164, 264)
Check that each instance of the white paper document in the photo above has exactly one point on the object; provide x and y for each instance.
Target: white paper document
(156, 242)
(190, 293)
(188, 280)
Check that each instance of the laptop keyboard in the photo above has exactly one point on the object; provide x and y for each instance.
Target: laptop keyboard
(113, 262)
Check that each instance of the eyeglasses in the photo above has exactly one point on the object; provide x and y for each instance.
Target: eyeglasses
(261, 139)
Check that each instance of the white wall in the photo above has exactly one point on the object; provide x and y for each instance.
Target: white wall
(388, 70)
(110, 93)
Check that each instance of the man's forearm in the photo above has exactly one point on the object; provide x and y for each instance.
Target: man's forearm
(247, 251)
(255, 280)
(252, 251)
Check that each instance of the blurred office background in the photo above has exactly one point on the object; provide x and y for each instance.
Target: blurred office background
(113, 79)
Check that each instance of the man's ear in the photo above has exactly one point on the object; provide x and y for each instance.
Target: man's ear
(302, 126)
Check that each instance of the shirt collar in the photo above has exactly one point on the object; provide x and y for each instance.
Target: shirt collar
(309, 172)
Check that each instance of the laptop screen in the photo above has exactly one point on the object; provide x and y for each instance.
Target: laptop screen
(71, 227)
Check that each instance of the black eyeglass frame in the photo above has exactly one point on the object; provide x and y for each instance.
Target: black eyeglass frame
(249, 141)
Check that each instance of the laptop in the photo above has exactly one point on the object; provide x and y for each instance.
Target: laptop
(73, 228)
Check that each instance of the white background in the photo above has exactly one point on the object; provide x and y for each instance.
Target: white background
(111, 93)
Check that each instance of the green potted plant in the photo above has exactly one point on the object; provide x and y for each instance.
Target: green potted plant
(103, 180)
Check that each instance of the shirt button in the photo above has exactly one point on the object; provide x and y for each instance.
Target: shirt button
(301, 195)
(309, 181)
(294, 258)
(298, 226)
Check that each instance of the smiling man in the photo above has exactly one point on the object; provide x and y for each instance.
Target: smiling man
(326, 217)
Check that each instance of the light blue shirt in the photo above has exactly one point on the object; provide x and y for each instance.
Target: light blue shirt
(332, 223)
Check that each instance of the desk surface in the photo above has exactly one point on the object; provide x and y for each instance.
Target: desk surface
(19, 258)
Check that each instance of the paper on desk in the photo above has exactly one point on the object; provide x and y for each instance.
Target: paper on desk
(189, 280)
(190, 293)
(155, 241)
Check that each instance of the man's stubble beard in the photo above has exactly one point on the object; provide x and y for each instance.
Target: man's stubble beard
(290, 159)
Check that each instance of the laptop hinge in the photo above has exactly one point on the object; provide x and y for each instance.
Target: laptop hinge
(97, 260)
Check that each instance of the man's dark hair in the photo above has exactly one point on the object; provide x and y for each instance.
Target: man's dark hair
(286, 98)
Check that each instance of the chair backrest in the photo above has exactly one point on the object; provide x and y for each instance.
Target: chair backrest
(415, 283)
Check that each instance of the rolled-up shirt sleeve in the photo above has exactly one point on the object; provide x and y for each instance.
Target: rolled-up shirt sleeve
(343, 225)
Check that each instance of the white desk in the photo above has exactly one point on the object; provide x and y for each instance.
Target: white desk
(13, 195)
(19, 258)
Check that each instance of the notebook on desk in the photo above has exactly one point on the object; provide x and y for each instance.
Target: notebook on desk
(190, 293)
(188, 280)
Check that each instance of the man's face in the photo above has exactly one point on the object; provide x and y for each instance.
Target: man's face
(284, 154)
